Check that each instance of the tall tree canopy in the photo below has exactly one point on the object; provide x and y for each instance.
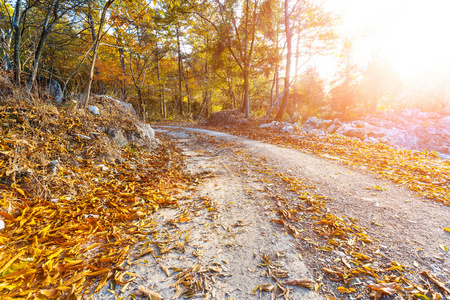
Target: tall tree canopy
(177, 59)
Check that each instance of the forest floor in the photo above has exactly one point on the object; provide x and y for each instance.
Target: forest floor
(254, 214)
(263, 221)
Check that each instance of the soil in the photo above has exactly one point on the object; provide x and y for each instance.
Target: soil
(231, 230)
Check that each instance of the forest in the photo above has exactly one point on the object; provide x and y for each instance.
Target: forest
(185, 59)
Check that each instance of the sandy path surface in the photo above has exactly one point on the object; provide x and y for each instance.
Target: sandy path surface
(226, 232)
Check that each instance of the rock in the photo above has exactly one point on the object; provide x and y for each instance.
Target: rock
(337, 122)
(333, 127)
(82, 136)
(2, 224)
(125, 105)
(445, 149)
(50, 86)
(313, 122)
(54, 165)
(146, 132)
(287, 128)
(355, 132)
(325, 124)
(388, 141)
(343, 128)
(143, 135)
(375, 134)
(269, 125)
(370, 140)
(360, 124)
(94, 110)
(350, 131)
(118, 136)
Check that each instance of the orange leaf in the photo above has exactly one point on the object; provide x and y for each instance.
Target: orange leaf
(7, 216)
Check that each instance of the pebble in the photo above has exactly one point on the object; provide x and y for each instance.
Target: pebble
(2, 224)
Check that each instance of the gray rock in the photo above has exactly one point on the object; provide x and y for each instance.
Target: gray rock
(269, 125)
(337, 122)
(313, 122)
(344, 128)
(51, 86)
(94, 110)
(287, 128)
(360, 124)
(332, 128)
(370, 140)
(118, 136)
(146, 132)
(325, 124)
(356, 132)
(142, 135)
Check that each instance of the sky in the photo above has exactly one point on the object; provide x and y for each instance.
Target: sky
(413, 35)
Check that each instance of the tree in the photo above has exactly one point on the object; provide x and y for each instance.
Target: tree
(95, 47)
(379, 80)
(238, 32)
(54, 11)
(344, 94)
(315, 35)
(17, 36)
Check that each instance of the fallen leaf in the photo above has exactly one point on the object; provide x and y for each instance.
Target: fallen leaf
(440, 284)
(149, 293)
(383, 289)
(304, 282)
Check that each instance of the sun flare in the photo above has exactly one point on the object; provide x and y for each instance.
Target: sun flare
(412, 35)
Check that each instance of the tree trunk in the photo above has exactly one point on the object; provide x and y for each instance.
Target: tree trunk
(285, 100)
(87, 91)
(37, 58)
(46, 27)
(245, 104)
(164, 101)
(187, 92)
(5, 48)
(122, 65)
(17, 36)
(180, 97)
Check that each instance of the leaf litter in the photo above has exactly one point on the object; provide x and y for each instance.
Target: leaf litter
(73, 204)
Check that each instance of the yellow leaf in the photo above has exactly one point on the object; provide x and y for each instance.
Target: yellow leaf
(12, 261)
(20, 191)
(447, 229)
(345, 290)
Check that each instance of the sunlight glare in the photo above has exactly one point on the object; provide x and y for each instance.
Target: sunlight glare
(413, 35)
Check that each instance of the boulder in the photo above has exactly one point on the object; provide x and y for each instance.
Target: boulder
(142, 135)
(94, 110)
(360, 124)
(350, 131)
(370, 140)
(287, 128)
(332, 128)
(325, 124)
(146, 132)
(272, 124)
(50, 86)
(356, 132)
(337, 122)
(118, 136)
(313, 122)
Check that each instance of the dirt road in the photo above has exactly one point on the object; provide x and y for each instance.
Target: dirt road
(262, 218)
